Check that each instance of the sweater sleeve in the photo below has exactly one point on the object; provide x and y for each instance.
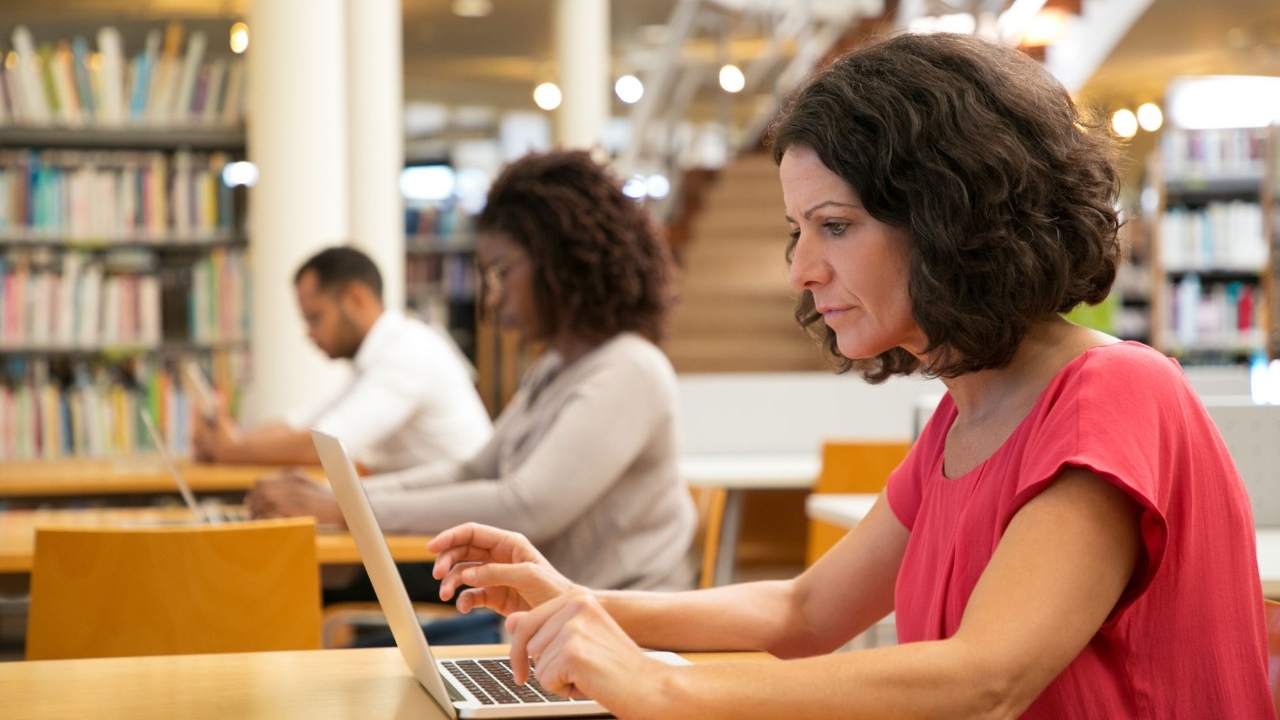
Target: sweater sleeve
(597, 432)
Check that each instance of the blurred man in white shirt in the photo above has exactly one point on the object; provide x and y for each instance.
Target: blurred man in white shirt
(410, 401)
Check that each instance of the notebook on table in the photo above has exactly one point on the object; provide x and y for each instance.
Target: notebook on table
(478, 687)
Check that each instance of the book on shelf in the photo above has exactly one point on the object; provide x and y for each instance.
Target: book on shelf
(90, 408)
(35, 107)
(1213, 153)
(114, 196)
(170, 81)
(110, 78)
(81, 301)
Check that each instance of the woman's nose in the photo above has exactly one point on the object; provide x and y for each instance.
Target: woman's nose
(806, 267)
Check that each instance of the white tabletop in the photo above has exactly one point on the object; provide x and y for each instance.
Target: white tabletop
(843, 509)
(748, 471)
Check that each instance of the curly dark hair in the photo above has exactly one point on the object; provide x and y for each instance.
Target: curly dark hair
(1006, 188)
(599, 267)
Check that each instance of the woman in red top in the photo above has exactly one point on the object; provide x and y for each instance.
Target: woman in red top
(1067, 539)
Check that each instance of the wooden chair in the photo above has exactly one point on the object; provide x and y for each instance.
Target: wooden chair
(1273, 649)
(124, 591)
(850, 467)
(706, 544)
(340, 621)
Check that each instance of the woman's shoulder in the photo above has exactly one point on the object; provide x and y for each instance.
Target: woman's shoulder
(1128, 361)
(634, 349)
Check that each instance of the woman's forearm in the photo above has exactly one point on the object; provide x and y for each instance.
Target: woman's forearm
(744, 616)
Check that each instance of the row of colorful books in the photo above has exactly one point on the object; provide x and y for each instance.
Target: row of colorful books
(170, 81)
(1218, 315)
(1219, 235)
(78, 300)
(70, 195)
(93, 410)
(1214, 153)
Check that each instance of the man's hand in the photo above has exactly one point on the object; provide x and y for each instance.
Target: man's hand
(214, 439)
(290, 494)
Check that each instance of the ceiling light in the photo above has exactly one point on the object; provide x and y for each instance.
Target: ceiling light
(1223, 101)
(732, 79)
(658, 186)
(635, 187)
(239, 38)
(1124, 123)
(1013, 22)
(629, 89)
(547, 96)
(1046, 28)
(1150, 118)
(240, 173)
(472, 8)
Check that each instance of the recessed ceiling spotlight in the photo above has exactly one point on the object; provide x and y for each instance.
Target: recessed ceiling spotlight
(1124, 123)
(731, 78)
(472, 8)
(1150, 117)
(547, 96)
(629, 89)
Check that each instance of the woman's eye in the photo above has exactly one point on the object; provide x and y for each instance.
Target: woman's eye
(836, 228)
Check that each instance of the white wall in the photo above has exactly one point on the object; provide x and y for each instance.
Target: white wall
(772, 413)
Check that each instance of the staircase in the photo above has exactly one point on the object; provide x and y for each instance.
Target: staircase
(736, 310)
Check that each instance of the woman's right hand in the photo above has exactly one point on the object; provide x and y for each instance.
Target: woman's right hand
(503, 570)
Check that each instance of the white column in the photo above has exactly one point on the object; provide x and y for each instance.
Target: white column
(375, 111)
(582, 56)
(297, 136)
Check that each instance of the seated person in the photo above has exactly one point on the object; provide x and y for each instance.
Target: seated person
(410, 401)
(1068, 539)
(583, 458)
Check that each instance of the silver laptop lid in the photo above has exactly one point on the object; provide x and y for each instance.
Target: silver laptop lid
(384, 576)
(162, 447)
(1252, 435)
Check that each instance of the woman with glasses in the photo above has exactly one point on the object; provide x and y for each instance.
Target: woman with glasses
(582, 461)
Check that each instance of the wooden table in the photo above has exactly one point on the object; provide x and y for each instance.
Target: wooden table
(738, 473)
(368, 683)
(121, 476)
(18, 532)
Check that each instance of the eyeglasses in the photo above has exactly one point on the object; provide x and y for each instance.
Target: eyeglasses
(494, 274)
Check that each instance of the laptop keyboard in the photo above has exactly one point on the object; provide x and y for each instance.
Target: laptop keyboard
(492, 683)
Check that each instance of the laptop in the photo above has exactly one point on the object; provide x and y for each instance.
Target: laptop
(479, 687)
(1251, 433)
(209, 512)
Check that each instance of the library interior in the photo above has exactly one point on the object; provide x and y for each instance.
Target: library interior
(167, 168)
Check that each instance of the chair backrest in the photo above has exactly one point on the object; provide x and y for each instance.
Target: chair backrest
(710, 504)
(850, 467)
(123, 591)
(1273, 650)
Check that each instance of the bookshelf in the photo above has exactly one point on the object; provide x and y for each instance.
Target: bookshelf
(1212, 285)
(440, 276)
(122, 250)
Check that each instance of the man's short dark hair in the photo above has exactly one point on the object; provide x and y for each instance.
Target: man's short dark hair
(339, 266)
